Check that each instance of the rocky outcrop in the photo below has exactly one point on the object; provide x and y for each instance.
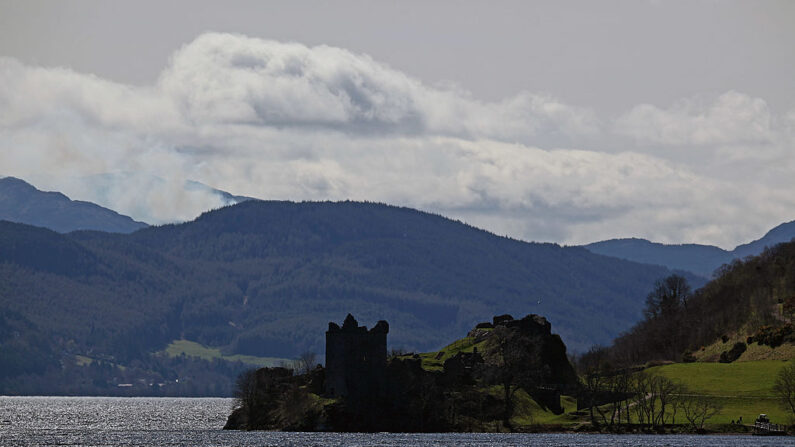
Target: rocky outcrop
(552, 349)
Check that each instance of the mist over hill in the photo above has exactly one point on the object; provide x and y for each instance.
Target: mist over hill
(23, 203)
(264, 278)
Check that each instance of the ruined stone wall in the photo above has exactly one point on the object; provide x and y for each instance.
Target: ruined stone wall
(355, 358)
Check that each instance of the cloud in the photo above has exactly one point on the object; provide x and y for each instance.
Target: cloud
(733, 118)
(287, 121)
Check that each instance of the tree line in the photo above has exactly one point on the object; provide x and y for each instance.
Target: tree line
(756, 294)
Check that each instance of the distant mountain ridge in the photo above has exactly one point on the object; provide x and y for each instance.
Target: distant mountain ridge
(702, 260)
(781, 233)
(22, 203)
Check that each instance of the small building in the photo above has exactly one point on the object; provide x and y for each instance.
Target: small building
(355, 358)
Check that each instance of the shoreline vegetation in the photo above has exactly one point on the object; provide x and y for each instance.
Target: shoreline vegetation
(438, 395)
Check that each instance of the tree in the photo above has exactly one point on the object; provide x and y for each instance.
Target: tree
(670, 295)
(643, 388)
(667, 393)
(785, 387)
(599, 380)
(698, 409)
(306, 362)
(513, 362)
(247, 395)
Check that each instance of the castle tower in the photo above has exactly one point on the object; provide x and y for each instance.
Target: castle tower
(355, 358)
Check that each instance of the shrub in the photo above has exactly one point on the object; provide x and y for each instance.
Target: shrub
(774, 336)
(734, 353)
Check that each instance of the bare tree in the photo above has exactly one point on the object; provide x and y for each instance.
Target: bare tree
(666, 392)
(603, 382)
(785, 387)
(644, 390)
(620, 386)
(246, 395)
(306, 362)
(699, 409)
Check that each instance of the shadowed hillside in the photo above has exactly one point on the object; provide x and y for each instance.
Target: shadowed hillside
(750, 303)
(699, 259)
(263, 278)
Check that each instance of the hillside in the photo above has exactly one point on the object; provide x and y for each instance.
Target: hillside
(699, 259)
(264, 278)
(22, 203)
(782, 233)
(748, 304)
(743, 389)
(702, 260)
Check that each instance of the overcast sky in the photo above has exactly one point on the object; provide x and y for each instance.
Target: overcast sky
(552, 121)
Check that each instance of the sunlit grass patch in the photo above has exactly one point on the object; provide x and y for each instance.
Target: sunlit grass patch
(193, 349)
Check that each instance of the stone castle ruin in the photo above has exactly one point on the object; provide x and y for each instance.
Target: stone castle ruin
(355, 358)
(372, 393)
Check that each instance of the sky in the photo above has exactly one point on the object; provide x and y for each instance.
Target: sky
(562, 121)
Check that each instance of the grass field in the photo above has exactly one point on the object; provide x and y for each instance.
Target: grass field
(193, 349)
(742, 388)
(747, 379)
(82, 360)
(528, 412)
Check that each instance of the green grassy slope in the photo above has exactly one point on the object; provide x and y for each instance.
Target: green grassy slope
(434, 361)
(743, 388)
(193, 349)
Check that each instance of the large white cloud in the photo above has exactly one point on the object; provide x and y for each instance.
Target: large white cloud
(733, 118)
(230, 79)
(286, 121)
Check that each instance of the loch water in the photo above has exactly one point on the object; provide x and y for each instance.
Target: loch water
(178, 422)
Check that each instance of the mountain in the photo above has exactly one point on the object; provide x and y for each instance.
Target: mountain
(23, 203)
(701, 260)
(749, 301)
(782, 233)
(264, 278)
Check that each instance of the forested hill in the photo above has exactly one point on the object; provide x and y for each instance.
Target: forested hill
(23, 203)
(264, 278)
(749, 301)
(782, 233)
(401, 264)
(696, 258)
(703, 260)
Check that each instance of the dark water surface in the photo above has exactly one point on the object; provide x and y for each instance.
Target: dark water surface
(178, 422)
